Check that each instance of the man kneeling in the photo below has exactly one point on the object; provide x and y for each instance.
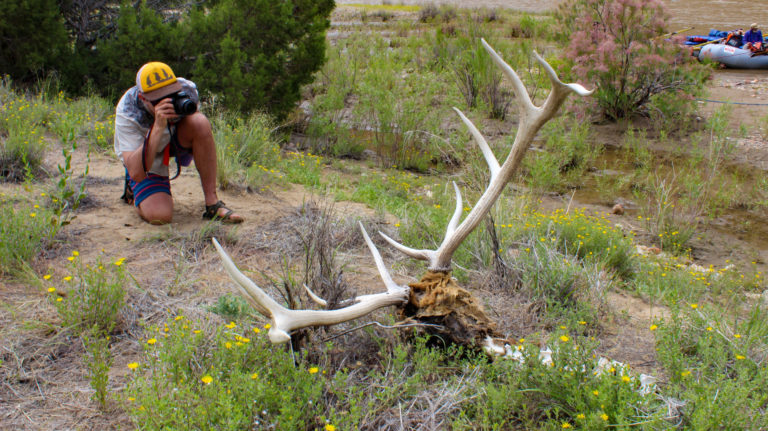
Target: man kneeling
(157, 119)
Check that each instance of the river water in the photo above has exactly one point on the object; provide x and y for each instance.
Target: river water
(700, 14)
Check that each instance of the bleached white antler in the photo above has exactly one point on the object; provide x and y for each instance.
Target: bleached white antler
(285, 320)
(532, 118)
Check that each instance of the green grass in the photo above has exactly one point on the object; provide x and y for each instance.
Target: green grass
(89, 296)
(27, 228)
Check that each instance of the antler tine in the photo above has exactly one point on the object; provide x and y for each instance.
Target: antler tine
(285, 320)
(408, 251)
(253, 293)
(383, 272)
(523, 99)
(456, 213)
(315, 298)
(576, 88)
(490, 158)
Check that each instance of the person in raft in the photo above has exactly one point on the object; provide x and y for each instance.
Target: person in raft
(753, 39)
(154, 120)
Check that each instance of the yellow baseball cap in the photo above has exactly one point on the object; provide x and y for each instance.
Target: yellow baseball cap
(156, 80)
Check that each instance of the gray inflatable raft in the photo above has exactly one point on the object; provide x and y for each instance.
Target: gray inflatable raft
(735, 58)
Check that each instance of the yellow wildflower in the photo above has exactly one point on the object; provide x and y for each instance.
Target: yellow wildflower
(313, 370)
(654, 327)
(564, 338)
(206, 379)
(329, 427)
(566, 425)
(231, 325)
(47, 277)
(151, 341)
(133, 365)
(604, 417)
(51, 289)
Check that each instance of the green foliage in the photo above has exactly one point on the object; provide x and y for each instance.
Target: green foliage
(259, 53)
(92, 295)
(26, 229)
(716, 365)
(567, 156)
(231, 307)
(33, 39)
(614, 46)
(579, 234)
(229, 377)
(564, 393)
(98, 361)
(22, 142)
(66, 197)
(246, 152)
(142, 35)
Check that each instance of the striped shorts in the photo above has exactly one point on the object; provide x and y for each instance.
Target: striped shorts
(150, 185)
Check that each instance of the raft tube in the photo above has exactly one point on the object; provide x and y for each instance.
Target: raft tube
(732, 57)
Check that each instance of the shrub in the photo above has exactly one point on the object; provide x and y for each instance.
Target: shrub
(561, 394)
(22, 142)
(192, 376)
(91, 295)
(246, 152)
(32, 37)
(614, 46)
(26, 228)
(567, 157)
(579, 234)
(716, 365)
(258, 53)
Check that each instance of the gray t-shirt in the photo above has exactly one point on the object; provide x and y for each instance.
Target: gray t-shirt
(133, 121)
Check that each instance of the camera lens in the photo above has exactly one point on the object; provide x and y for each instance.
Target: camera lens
(183, 105)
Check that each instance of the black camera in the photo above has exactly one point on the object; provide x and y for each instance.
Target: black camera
(183, 104)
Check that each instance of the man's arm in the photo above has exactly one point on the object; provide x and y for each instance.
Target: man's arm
(133, 159)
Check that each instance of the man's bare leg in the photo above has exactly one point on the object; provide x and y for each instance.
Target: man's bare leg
(195, 132)
(156, 208)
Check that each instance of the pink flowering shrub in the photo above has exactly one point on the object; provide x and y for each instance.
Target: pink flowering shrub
(615, 46)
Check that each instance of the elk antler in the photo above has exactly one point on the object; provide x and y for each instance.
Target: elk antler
(532, 118)
(285, 320)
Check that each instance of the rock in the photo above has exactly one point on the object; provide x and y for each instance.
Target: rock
(645, 251)
(618, 209)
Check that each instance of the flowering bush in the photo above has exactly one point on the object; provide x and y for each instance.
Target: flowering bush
(615, 46)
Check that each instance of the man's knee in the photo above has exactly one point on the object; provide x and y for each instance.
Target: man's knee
(194, 126)
(157, 209)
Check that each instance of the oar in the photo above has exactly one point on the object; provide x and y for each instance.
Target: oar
(707, 43)
(673, 33)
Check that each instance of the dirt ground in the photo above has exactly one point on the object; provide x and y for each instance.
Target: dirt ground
(44, 386)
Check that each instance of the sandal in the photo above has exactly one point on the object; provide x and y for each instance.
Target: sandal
(127, 196)
(212, 211)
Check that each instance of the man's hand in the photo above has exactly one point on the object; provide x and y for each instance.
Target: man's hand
(164, 113)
